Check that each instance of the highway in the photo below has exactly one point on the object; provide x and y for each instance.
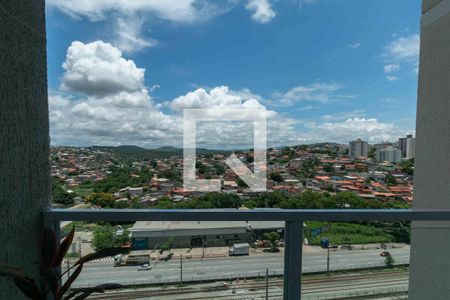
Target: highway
(224, 268)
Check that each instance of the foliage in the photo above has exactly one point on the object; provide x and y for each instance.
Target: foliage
(131, 153)
(328, 168)
(288, 151)
(201, 167)
(308, 168)
(52, 256)
(59, 195)
(407, 166)
(348, 233)
(220, 170)
(104, 200)
(166, 246)
(119, 178)
(391, 180)
(372, 232)
(389, 260)
(275, 176)
(209, 200)
(273, 238)
(104, 237)
(171, 174)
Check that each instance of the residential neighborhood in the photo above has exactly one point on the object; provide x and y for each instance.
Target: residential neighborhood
(326, 168)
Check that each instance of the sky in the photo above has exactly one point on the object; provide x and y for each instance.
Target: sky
(122, 72)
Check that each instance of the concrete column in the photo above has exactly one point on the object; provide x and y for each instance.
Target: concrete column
(430, 251)
(24, 137)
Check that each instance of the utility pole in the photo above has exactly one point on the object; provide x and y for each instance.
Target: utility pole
(203, 248)
(181, 269)
(328, 260)
(267, 283)
(79, 245)
(68, 269)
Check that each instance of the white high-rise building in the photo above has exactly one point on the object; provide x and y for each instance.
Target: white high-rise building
(358, 148)
(408, 146)
(389, 154)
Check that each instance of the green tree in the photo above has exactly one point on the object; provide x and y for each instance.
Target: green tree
(154, 163)
(273, 238)
(328, 168)
(220, 170)
(407, 166)
(59, 195)
(275, 176)
(105, 237)
(389, 260)
(104, 200)
(202, 168)
(167, 245)
(391, 180)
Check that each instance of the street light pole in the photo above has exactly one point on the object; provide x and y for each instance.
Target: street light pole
(181, 269)
(267, 283)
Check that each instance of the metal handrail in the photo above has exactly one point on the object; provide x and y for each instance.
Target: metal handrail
(293, 234)
(59, 214)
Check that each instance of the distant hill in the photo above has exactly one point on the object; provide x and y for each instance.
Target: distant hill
(138, 153)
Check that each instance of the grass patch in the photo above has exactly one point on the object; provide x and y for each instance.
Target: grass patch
(82, 192)
(342, 233)
(72, 255)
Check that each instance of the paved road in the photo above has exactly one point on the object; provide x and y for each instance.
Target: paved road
(231, 267)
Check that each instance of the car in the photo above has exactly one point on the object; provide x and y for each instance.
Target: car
(145, 267)
(384, 253)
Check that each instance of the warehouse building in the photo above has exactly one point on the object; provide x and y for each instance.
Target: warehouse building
(187, 234)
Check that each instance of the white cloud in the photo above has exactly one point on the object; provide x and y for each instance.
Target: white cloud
(392, 78)
(344, 115)
(218, 97)
(131, 15)
(104, 112)
(318, 92)
(403, 49)
(182, 11)
(98, 69)
(116, 108)
(354, 46)
(262, 10)
(391, 68)
(154, 87)
(369, 129)
(128, 35)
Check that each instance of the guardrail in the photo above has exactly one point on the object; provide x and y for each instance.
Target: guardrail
(293, 225)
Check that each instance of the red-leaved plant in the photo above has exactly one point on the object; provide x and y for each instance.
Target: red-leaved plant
(52, 256)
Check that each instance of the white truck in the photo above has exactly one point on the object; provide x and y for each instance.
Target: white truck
(239, 249)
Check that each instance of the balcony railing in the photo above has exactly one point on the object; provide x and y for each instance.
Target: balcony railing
(293, 225)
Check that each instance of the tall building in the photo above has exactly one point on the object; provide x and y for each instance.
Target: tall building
(389, 154)
(408, 146)
(358, 148)
(402, 145)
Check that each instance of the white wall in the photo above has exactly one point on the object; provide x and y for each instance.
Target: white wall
(430, 251)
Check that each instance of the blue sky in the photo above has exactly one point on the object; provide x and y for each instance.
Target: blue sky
(328, 70)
